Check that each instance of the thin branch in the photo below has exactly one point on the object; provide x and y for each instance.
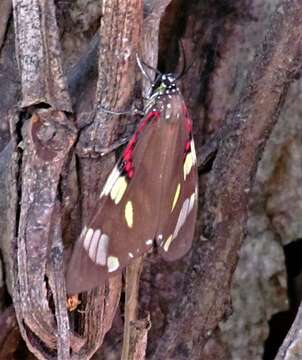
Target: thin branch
(133, 273)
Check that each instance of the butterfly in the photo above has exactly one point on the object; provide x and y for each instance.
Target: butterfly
(149, 198)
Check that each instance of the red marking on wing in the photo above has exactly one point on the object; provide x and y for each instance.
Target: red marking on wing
(128, 152)
(189, 128)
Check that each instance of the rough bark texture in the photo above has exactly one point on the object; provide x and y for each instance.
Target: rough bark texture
(61, 64)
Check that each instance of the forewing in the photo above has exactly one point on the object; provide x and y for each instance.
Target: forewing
(126, 219)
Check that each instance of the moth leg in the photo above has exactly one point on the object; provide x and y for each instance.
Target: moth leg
(118, 143)
(134, 111)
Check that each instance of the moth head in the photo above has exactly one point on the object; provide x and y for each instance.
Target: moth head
(164, 84)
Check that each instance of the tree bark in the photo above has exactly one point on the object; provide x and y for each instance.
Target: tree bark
(55, 157)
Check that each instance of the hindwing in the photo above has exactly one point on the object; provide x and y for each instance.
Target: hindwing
(180, 196)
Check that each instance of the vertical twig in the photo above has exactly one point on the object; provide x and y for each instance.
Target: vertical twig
(133, 273)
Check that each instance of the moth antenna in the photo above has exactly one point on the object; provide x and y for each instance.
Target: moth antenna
(185, 68)
(132, 111)
(141, 65)
(183, 59)
(152, 68)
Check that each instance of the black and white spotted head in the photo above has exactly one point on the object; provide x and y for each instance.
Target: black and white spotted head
(164, 84)
(162, 92)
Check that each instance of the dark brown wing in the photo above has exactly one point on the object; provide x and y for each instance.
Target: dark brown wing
(135, 203)
(125, 222)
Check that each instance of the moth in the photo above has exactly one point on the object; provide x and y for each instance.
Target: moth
(150, 197)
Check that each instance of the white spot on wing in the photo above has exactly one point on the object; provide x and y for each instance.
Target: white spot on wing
(191, 203)
(112, 263)
(193, 151)
(87, 239)
(83, 231)
(101, 255)
(131, 255)
(149, 242)
(94, 244)
(115, 173)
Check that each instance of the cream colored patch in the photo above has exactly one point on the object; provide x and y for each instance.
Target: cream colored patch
(115, 173)
(129, 214)
(94, 244)
(168, 243)
(112, 263)
(188, 164)
(87, 239)
(191, 203)
(101, 255)
(176, 197)
(193, 151)
(83, 231)
(118, 189)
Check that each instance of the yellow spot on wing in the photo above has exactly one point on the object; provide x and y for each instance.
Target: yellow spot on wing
(176, 196)
(112, 263)
(118, 189)
(168, 243)
(188, 165)
(87, 239)
(129, 214)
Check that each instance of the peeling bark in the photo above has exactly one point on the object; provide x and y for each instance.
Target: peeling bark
(39, 54)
